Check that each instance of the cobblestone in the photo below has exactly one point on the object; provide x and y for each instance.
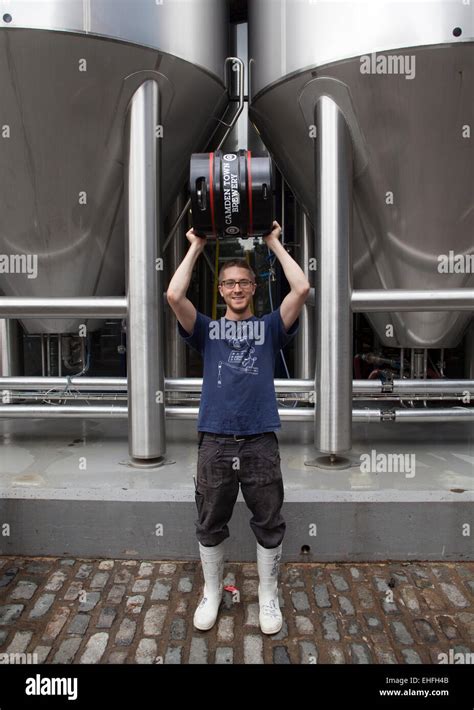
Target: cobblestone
(20, 642)
(339, 582)
(253, 649)
(360, 653)
(67, 650)
(411, 656)
(161, 590)
(56, 581)
(53, 629)
(138, 611)
(336, 655)
(146, 651)
(454, 594)
(99, 580)
(300, 601)
(78, 625)
(95, 648)
(252, 615)
(329, 622)
(24, 590)
(173, 655)
(178, 630)
(401, 633)
(322, 596)
(117, 657)
(304, 625)
(198, 651)
(410, 599)
(90, 601)
(42, 606)
(308, 652)
(73, 591)
(126, 632)
(225, 629)
(115, 595)
(280, 655)
(224, 655)
(106, 618)
(154, 620)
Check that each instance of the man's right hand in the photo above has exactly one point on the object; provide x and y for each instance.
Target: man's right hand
(193, 238)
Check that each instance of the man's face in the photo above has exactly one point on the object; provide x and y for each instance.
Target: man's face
(238, 298)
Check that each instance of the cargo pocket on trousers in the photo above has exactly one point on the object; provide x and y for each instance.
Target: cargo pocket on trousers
(209, 467)
(267, 461)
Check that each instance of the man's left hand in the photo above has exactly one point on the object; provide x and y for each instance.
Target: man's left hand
(273, 236)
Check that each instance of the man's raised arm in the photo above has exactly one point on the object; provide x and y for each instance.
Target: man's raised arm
(294, 301)
(176, 294)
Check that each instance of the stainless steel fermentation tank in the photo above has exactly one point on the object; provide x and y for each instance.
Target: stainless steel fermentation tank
(68, 71)
(366, 107)
(409, 129)
(102, 104)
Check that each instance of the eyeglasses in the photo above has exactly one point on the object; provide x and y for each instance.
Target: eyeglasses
(231, 283)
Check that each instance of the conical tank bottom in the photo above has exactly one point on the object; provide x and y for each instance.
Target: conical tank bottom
(413, 202)
(62, 167)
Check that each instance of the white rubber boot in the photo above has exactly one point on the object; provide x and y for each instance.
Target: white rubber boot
(268, 564)
(212, 560)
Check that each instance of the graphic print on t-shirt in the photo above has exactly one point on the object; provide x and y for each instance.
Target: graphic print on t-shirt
(241, 358)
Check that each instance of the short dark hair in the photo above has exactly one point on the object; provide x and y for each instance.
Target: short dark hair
(241, 264)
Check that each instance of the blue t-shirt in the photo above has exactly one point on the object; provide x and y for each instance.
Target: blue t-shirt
(238, 393)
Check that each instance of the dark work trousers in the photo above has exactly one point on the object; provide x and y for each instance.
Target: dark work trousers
(223, 463)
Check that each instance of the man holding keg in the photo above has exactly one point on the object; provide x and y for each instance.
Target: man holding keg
(238, 416)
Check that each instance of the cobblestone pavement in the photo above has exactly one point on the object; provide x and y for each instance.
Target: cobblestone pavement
(115, 611)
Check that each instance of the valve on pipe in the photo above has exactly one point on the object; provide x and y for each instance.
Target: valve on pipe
(231, 194)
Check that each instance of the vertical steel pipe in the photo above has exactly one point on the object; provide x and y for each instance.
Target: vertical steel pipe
(175, 346)
(304, 346)
(145, 352)
(333, 219)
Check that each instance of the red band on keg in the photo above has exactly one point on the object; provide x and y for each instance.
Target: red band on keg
(211, 191)
(249, 189)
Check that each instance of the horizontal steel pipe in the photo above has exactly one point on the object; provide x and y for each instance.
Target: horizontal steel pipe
(194, 384)
(426, 416)
(373, 300)
(360, 387)
(380, 300)
(27, 411)
(90, 384)
(94, 307)
(20, 411)
(407, 387)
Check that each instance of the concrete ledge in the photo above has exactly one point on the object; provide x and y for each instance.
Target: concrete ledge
(65, 491)
(363, 531)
